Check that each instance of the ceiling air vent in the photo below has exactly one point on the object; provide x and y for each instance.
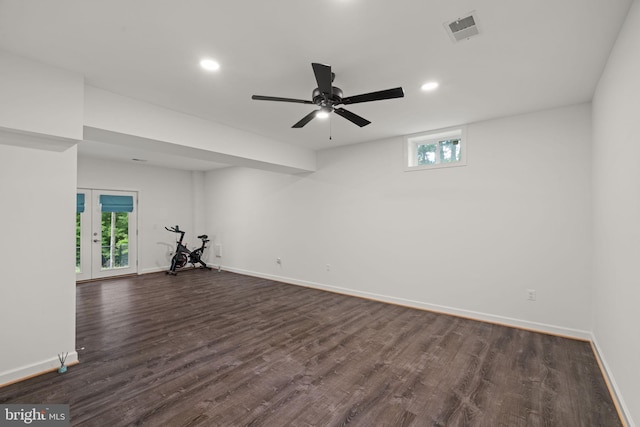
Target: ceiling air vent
(463, 28)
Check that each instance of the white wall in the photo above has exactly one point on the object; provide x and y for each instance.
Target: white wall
(468, 240)
(167, 197)
(41, 106)
(616, 178)
(37, 286)
(39, 98)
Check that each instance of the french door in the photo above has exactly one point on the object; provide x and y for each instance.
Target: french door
(106, 233)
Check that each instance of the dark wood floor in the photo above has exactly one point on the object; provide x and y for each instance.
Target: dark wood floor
(221, 349)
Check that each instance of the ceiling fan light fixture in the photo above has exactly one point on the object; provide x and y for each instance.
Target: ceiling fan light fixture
(209, 64)
(322, 114)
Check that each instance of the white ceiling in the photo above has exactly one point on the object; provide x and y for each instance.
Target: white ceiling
(530, 55)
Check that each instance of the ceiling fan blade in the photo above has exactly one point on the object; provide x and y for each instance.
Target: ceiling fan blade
(374, 96)
(275, 98)
(323, 77)
(306, 119)
(354, 118)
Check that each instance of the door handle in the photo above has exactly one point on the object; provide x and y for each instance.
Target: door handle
(95, 240)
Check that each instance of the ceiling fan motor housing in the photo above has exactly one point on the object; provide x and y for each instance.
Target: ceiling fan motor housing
(326, 100)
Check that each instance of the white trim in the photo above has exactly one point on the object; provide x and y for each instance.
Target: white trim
(154, 270)
(606, 371)
(38, 368)
(474, 315)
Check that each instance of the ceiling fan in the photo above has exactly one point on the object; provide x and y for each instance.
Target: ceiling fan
(327, 97)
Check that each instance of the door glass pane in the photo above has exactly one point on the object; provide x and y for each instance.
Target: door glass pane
(115, 240)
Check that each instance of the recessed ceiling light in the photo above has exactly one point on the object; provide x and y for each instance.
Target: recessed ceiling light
(429, 86)
(322, 114)
(210, 65)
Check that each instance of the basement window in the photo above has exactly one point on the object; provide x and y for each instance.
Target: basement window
(437, 149)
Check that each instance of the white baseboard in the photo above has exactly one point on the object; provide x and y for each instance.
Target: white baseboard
(42, 367)
(474, 315)
(153, 270)
(623, 410)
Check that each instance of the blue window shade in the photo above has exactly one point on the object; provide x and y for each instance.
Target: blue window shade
(79, 202)
(116, 203)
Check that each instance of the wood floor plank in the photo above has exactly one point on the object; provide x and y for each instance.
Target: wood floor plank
(220, 349)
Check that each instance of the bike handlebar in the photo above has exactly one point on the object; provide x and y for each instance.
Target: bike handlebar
(175, 229)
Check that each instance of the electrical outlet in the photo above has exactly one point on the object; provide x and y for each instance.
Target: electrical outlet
(278, 261)
(328, 267)
(531, 294)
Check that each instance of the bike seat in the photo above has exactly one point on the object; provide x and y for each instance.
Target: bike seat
(204, 236)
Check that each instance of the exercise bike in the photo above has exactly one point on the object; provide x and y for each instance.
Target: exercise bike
(183, 255)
